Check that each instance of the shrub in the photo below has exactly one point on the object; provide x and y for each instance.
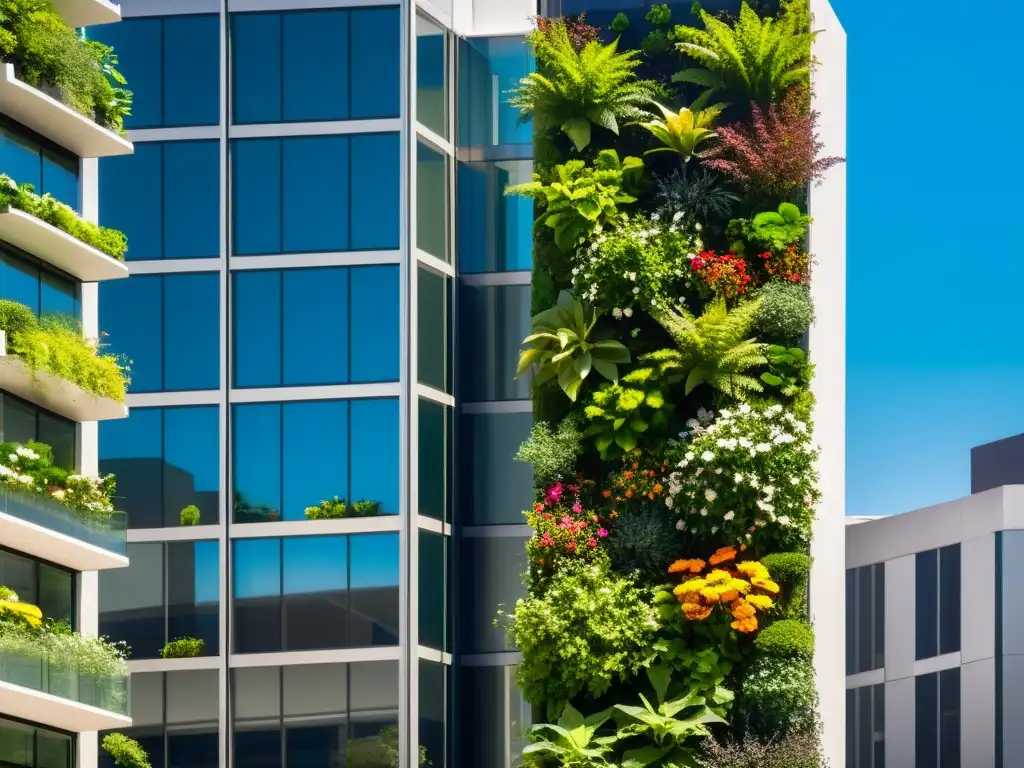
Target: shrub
(778, 697)
(588, 628)
(786, 639)
(771, 230)
(643, 542)
(182, 648)
(58, 347)
(552, 454)
(364, 508)
(699, 195)
(786, 312)
(30, 469)
(55, 213)
(801, 749)
(619, 24)
(127, 752)
(330, 509)
(791, 570)
(16, 318)
(564, 530)
(190, 515)
(659, 15)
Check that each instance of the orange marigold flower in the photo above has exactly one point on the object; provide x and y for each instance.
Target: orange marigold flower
(658, 488)
(696, 612)
(628, 475)
(686, 566)
(723, 555)
(741, 609)
(629, 493)
(766, 584)
(730, 595)
(650, 496)
(606, 493)
(746, 626)
(710, 594)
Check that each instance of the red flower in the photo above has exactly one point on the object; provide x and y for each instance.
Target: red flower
(592, 542)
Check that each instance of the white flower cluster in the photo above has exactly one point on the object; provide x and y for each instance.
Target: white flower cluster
(84, 494)
(750, 469)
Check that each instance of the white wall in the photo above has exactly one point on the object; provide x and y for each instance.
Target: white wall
(828, 351)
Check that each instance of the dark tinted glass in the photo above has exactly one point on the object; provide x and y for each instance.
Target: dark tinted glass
(949, 593)
(926, 720)
(434, 459)
(927, 604)
(493, 321)
(373, 580)
(433, 590)
(315, 588)
(432, 180)
(21, 422)
(434, 703)
(495, 487)
(433, 331)
(431, 76)
(257, 595)
(192, 592)
(375, 200)
(30, 159)
(49, 588)
(376, 57)
(949, 718)
(28, 281)
(489, 574)
(132, 601)
(26, 746)
(495, 230)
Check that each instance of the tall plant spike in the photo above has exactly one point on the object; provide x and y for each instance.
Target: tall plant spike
(756, 61)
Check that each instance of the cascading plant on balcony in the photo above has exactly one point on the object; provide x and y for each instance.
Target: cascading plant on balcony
(671, 525)
(30, 469)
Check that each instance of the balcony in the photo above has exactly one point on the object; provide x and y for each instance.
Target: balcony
(49, 244)
(37, 686)
(87, 13)
(42, 527)
(57, 122)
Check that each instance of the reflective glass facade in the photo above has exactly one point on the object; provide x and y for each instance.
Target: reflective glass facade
(328, 288)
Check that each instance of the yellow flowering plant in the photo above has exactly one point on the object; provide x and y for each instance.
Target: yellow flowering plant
(743, 590)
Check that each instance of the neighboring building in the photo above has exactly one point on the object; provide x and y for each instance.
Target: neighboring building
(50, 709)
(315, 212)
(935, 655)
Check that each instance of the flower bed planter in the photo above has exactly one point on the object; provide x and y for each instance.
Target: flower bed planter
(50, 118)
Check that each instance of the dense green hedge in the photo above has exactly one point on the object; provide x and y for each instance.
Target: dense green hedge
(665, 622)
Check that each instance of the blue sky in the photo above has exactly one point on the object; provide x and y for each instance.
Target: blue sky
(935, 349)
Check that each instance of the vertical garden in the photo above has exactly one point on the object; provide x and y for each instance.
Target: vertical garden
(666, 619)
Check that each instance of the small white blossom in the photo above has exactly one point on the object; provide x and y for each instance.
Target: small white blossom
(729, 515)
(617, 313)
(707, 456)
(680, 525)
(784, 520)
(628, 312)
(710, 495)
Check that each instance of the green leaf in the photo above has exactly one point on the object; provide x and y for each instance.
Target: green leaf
(608, 370)
(771, 379)
(625, 440)
(638, 425)
(644, 756)
(659, 675)
(610, 350)
(582, 365)
(578, 129)
(570, 718)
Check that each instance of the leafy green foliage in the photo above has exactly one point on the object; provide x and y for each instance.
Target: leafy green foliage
(589, 627)
(580, 198)
(55, 213)
(560, 346)
(643, 542)
(49, 54)
(714, 347)
(697, 194)
(786, 311)
(190, 515)
(791, 571)
(703, 654)
(573, 90)
(788, 371)
(778, 697)
(786, 639)
(623, 414)
(55, 344)
(29, 468)
(659, 15)
(655, 43)
(183, 648)
(572, 741)
(552, 453)
(757, 60)
(683, 132)
(770, 230)
(800, 749)
(127, 752)
(380, 751)
(333, 509)
(619, 24)
(672, 723)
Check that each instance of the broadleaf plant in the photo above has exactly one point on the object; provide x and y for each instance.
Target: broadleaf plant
(787, 370)
(579, 197)
(572, 740)
(561, 348)
(755, 61)
(770, 230)
(714, 348)
(683, 132)
(574, 90)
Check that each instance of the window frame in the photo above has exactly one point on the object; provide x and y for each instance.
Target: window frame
(855, 656)
(36, 563)
(932, 583)
(46, 147)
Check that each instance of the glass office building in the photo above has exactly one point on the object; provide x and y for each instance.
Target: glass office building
(327, 293)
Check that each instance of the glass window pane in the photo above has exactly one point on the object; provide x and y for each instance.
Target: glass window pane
(256, 67)
(374, 313)
(191, 466)
(315, 177)
(19, 420)
(878, 618)
(192, 593)
(198, 747)
(949, 718)
(1012, 562)
(256, 173)
(191, 64)
(433, 585)
(489, 67)
(927, 604)
(316, 65)
(257, 328)
(493, 322)
(257, 693)
(434, 703)
(926, 720)
(496, 565)
(376, 159)
(257, 447)
(495, 230)
(315, 690)
(21, 158)
(376, 54)
(20, 574)
(191, 340)
(56, 593)
(949, 593)
(17, 744)
(130, 313)
(493, 718)
(60, 178)
(132, 601)
(432, 311)
(53, 750)
(374, 705)
(131, 196)
(191, 199)
(19, 279)
(496, 488)
(434, 441)
(851, 621)
(373, 581)
(373, 452)
(139, 47)
(865, 632)
(257, 597)
(316, 454)
(193, 696)
(432, 202)
(60, 435)
(132, 450)
(316, 330)
(315, 592)
(58, 295)
(431, 76)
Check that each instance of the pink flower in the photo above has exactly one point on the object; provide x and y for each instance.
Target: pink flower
(554, 492)
(577, 507)
(602, 532)
(592, 543)
(572, 546)
(566, 522)
(546, 540)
